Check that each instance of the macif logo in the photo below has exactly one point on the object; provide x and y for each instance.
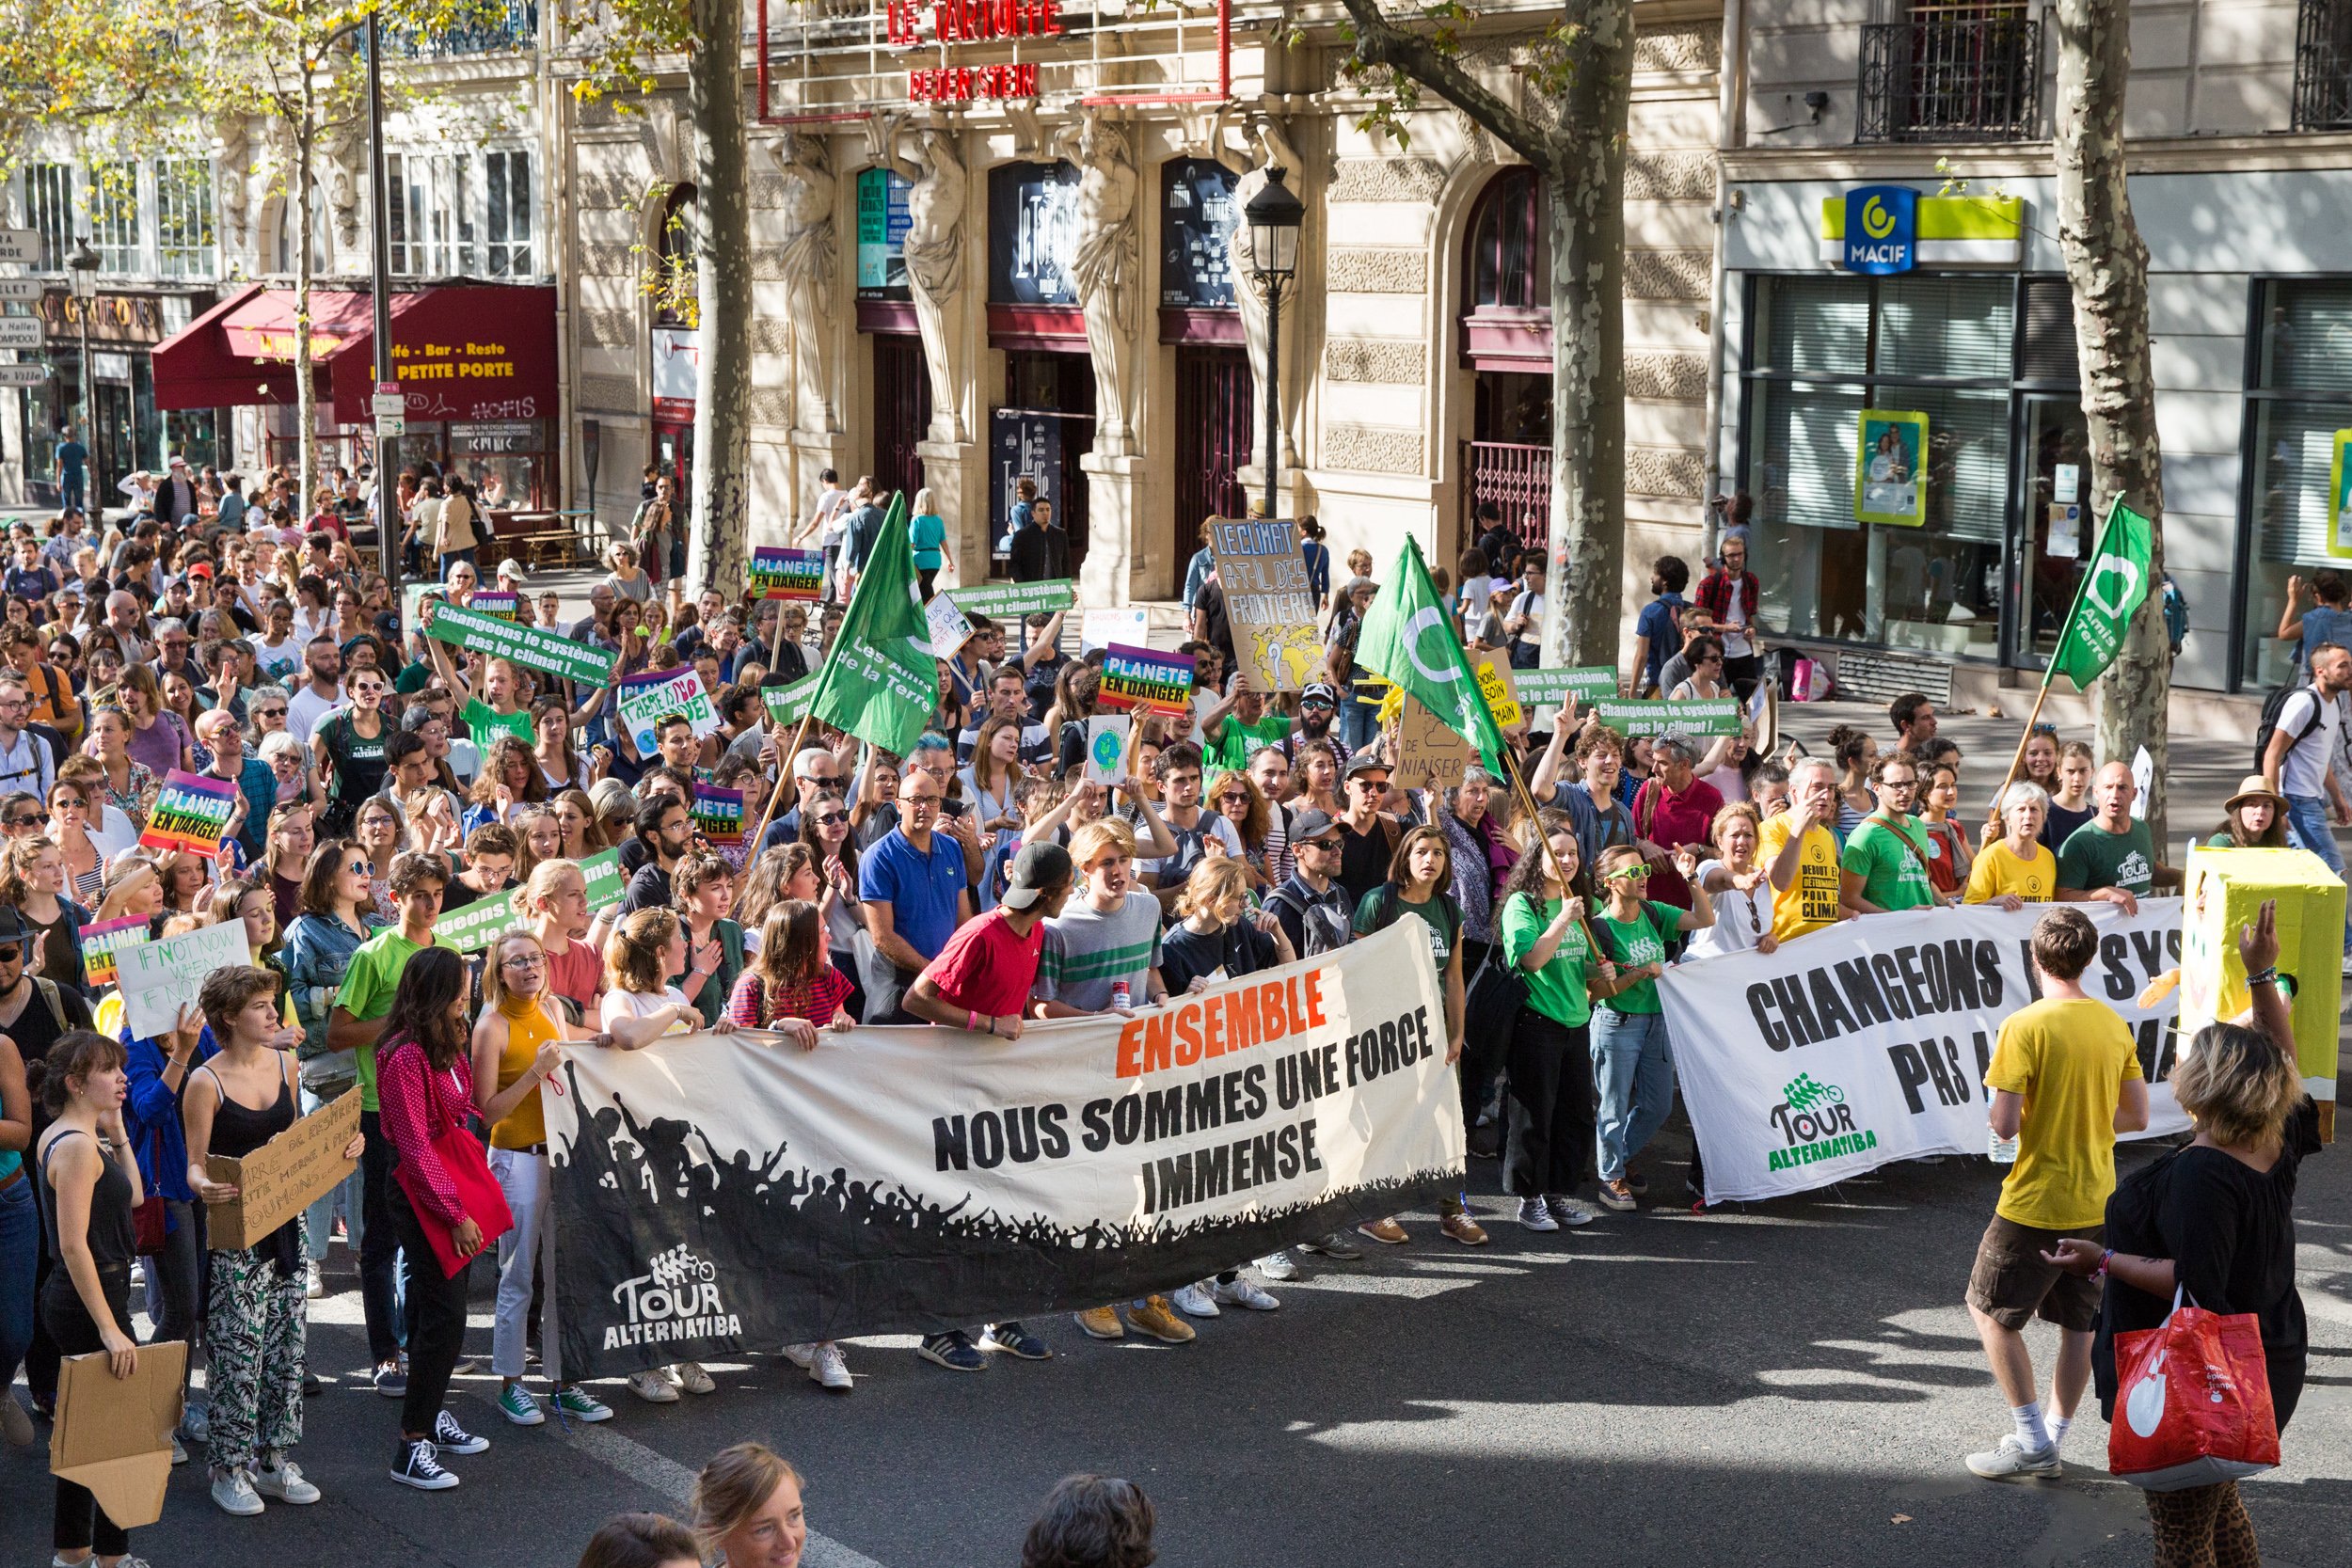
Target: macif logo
(1881, 228)
(1817, 1124)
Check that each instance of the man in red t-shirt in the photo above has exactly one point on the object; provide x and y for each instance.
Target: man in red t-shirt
(1674, 808)
(980, 981)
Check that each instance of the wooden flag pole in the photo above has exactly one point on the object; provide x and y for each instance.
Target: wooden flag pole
(785, 780)
(2018, 761)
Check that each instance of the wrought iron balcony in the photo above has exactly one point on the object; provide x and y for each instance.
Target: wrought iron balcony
(2323, 66)
(511, 25)
(1951, 74)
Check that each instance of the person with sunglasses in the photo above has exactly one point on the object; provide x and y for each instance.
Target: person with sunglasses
(349, 746)
(1317, 724)
(1740, 885)
(84, 860)
(1632, 1062)
(1883, 866)
(227, 759)
(1706, 679)
(27, 763)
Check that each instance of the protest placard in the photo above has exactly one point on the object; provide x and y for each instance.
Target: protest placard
(1428, 755)
(1141, 677)
(949, 630)
(283, 1177)
(113, 1434)
(1546, 688)
(1494, 685)
(788, 704)
(532, 647)
(100, 942)
(1693, 716)
(717, 814)
(787, 573)
(506, 606)
(1002, 601)
(191, 813)
(479, 923)
(658, 693)
(158, 978)
(1129, 624)
(1269, 602)
(1107, 750)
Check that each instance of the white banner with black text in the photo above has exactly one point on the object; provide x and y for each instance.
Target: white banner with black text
(1868, 1042)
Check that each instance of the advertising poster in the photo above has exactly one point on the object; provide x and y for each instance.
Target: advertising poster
(1890, 485)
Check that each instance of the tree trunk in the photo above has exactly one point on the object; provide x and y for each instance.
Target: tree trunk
(2107, 268)
(306, 391)
(723, 424)
(1584, 575)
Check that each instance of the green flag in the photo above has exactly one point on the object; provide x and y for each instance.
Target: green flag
(881, 682)
(2111, 593)
(1407, 638)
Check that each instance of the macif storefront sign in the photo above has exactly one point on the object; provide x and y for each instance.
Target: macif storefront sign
(1881, 228)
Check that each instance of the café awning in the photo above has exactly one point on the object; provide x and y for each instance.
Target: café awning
(461, 351)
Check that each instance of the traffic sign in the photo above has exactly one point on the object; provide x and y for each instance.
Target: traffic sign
(21, 244)
(22, 332)
(23, 375)
(389, 405)
(390, 427)
(20, 288)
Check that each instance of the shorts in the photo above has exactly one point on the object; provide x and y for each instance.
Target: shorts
(2011, 1284)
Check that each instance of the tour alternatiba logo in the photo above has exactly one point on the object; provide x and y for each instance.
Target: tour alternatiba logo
(676, 1298)
(1818, 1123)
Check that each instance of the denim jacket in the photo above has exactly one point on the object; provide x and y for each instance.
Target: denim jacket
(318, 949)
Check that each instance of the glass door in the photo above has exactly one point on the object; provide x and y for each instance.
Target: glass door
(2054, 528)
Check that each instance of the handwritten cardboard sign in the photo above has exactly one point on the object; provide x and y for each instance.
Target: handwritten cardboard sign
(283, 1177)
(114, 1435)
(1104, 628)
(950, 631)
(1107, 750)
(191, 813)
(1269, 601)
(158, 978)
(787, 573)
(659, 694)
(1494, 685)
(1141, 677)
(100, 942)
(1428, 755)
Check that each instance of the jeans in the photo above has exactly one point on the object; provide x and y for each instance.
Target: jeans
(318, 1221)
(1633, 1079)
(438, 1329)
(1548, 1107)
(176, 1284)
(1358, 724)
(20, 1261)
(451, 558)
(71, 490)
(386, 1278)
(522, 1176)
(2307, 815)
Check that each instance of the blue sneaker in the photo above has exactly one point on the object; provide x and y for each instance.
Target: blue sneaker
(1017, 1342)
(954, 1350)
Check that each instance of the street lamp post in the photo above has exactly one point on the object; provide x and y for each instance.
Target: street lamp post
(82, 268)
(1274, 215)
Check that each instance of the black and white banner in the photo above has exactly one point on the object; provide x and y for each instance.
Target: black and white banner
(1868, 1042)
(714, 1194)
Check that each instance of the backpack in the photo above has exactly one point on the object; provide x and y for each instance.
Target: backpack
(2275, 704)
(1324, 929)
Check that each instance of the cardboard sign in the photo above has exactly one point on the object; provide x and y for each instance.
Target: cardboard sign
(533, 647)
(1104, 628)
(158, 978)
(788, 705)
(950, 631)
(1494, 685)
(1140, 677)
(191, 813)
(659, 694)
(785, 573)
(1269, 601)
(480, 922)
(1004, 601)
(1693, 716)
(1428, 755)
(282, 1177)
(114, 1435)
(2225, 890)
(717, 814)
(100, 942)
(506, 606)
(1107, 750)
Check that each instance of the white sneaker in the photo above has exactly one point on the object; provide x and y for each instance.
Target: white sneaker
(1193, 1301)
(285, 1481)
(1535, 1215)
(691, 1378)
(235, 1494)
(653, 1388)
(830, 1368)
(1567, 1210)
(1278, 1266)
(2011, 1457)
(802, 1356)
(313, 1285)
(1241, 1290)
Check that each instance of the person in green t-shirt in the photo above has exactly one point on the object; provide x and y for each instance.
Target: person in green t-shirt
(1883, 866)
(1548, 1109)
(501, 683)
(2112, 857)
(1239, 725)
(1632, 1064)
(355, 1024)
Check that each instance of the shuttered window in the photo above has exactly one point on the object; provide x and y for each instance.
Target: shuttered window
(1956, 327)
(1805, 439)
(1816, 325)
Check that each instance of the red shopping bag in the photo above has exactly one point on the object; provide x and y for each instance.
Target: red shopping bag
(480, 1198)
(2192, 1402)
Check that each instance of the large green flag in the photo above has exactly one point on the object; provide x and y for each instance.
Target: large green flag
(1407, 638)
(2111, 593)
(881, 681)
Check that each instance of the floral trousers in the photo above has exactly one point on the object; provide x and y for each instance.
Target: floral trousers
(255, 1335)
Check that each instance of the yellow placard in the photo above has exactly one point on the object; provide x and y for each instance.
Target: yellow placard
(1496, 688)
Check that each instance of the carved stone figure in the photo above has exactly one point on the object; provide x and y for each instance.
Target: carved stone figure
(809, 258)
(347, 182)
(235, 163)
(1104, 267)
(934, 252)
(1271, 149)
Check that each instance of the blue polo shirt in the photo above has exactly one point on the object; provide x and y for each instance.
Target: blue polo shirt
(921, 889)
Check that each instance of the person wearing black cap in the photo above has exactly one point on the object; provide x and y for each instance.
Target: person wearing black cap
(981, 983)
(1318, 715)
(1367, 836)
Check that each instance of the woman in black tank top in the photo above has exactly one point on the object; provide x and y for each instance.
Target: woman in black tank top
(89, 1182)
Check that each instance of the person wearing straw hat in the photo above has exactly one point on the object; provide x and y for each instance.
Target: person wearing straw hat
(2254, 818)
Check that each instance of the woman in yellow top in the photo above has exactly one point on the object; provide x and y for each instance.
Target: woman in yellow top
(2016, 869)
(515, 1050)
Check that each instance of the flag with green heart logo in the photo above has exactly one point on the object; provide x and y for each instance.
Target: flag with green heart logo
(2112, 590)
(881, 681)
(1408, 637)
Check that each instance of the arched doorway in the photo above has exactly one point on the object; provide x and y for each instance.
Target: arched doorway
(1506, 345)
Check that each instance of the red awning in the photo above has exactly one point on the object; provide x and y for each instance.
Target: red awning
(461, 351)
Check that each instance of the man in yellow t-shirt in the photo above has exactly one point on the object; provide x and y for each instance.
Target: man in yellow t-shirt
(2016, 869)
(1798, 853)
(2064, 1080)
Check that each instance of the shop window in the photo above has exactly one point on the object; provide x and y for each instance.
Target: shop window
(1510, 246)
(506, 228)
(113, 216)
(49, 211)
(2297, 410)
(184, 217)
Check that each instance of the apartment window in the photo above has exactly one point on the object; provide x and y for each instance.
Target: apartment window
(49, 211)
(434, 218)
(1951, 72)
(113, 216)
(507, 226)
(184, 217)
(2297, 409)
(2323, 66)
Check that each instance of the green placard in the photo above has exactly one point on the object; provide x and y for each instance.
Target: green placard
(1001, 601)
(788, 704)
(1590, 683)
(483, 921)
(527, 646)
(1695, 715)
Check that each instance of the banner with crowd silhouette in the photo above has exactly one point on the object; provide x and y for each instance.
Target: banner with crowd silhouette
(719, 1193)
(1866, 1043)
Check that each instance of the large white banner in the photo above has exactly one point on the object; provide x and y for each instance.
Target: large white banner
(1868, 1042)
(718, 1193)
